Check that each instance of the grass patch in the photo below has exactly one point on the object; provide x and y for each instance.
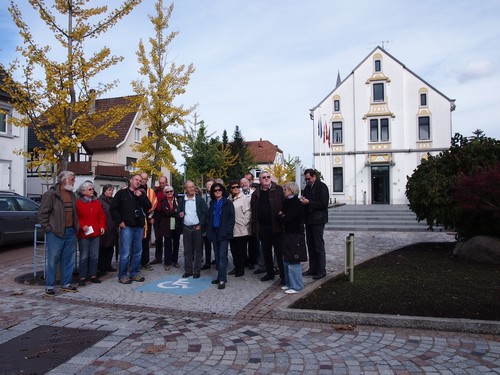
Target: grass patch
(424, 279)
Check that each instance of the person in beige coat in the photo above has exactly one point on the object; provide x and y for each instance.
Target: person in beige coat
(242, 228)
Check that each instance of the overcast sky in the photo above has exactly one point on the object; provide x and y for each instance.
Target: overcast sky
(262, 64)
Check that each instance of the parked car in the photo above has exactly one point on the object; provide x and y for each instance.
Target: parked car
(18, 216)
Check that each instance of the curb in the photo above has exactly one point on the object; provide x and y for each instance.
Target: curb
(283, 311)
(399, 321)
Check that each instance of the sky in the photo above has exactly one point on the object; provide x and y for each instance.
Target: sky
(263, 64)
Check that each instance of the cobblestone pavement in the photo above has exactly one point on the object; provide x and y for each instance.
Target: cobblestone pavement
(232, 331)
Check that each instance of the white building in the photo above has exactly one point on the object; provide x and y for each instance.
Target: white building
(12, 139)
(374, 128)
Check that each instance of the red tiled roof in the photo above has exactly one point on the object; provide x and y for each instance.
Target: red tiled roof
(104, 142)
(263, 151)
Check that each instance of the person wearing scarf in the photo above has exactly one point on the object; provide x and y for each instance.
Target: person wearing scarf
(92, 225)
(220, 228)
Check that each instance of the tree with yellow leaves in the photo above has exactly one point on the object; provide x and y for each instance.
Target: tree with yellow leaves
(58, 107)
(165, 81)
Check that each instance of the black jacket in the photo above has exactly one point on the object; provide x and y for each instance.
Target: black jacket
(227, 219)
(317, 209)
(129, 208)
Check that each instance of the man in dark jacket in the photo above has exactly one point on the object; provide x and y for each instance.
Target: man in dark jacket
(128, 208)
(315, 200)
(59, 221)
(266, 202)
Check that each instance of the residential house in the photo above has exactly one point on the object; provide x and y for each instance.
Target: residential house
(265, 154)
(374, 128)
(12, 138)
(103, 159)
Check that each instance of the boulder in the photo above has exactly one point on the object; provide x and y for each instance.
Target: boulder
(484, 249)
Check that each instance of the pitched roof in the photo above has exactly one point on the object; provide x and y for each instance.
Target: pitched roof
(263, 151)
(100, 142)
(104, 142)
(366, 58)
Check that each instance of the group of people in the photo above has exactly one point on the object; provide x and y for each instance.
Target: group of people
(261, 224)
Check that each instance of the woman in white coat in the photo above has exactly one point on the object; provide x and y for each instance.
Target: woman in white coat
(242, 231)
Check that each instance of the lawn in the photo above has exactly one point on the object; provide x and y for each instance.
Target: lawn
(419, 280)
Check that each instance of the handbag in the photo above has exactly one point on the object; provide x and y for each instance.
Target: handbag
(294, 247)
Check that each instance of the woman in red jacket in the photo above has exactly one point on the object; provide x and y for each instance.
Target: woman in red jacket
(92, 225)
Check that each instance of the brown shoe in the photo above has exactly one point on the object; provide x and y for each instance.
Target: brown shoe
(137, 278)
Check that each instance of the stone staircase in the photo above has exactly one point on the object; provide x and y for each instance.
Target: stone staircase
(396, 218)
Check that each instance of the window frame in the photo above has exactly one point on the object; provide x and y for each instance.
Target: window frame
(422, 125)
(377, 65)
(423, 99)
(337, 179)
(137, 135)
(336, 105)
(378, 94)
(380, 127)
(337, 127)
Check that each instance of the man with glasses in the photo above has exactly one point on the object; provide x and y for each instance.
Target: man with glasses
(266, 202)
(315, 198)
(193, 213)
(59, 221)
(128, 208)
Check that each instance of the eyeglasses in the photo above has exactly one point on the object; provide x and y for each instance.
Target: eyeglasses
(90, 189)
(266, 177)
(235, 187)
(170, 191)
(217, 190)
(308, 179)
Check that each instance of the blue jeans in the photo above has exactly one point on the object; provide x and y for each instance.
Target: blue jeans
(293, 275)
(89, 256)
(130, 247)
(220, 251)
(63, 250)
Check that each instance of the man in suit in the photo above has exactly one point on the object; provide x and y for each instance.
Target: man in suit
(315, 198)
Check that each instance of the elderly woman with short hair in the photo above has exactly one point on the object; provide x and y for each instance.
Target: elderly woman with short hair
(92, 225)
(294, 247)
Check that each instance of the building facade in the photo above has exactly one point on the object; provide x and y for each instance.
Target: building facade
(375, 127)
(12, 139)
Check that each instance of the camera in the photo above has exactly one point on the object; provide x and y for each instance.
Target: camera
(137, 214)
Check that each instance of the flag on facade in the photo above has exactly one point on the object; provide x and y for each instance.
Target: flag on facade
(329, 136)
(325, 132)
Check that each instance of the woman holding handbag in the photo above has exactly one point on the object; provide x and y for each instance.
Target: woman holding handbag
(167, 227)
(294, 244)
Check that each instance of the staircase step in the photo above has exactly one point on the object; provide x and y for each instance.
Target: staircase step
(397, 218)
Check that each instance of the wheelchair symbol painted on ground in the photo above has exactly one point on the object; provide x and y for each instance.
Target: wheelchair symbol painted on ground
(175, 285)
(181, 283)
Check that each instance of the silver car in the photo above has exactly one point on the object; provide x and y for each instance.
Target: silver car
(18, 216)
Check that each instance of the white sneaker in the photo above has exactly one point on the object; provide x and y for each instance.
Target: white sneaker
(284, 288)
(291, 291)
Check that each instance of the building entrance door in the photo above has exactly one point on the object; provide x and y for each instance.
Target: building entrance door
(380, 185)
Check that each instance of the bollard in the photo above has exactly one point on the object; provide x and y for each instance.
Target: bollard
(349, 256)
(39, 246)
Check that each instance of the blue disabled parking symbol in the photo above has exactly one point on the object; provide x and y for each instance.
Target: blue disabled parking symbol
(177, 285)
